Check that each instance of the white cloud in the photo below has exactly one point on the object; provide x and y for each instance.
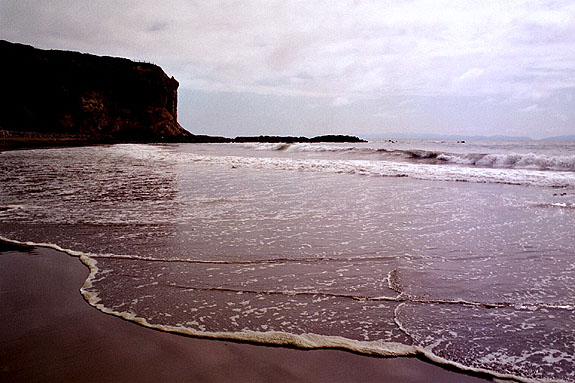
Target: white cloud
(471, 74)
(386, 115)
(340, 101)
(343, 51)
(344, 47)
(531, 108)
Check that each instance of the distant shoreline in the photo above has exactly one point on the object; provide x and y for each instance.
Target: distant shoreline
(56, 98)
(459, 137)
(37, 141)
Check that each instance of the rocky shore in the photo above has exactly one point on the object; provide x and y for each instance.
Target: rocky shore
(54, 98)
(61, 95)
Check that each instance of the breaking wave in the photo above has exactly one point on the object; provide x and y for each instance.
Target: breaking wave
(514, 160)
(488, 160)
(423, 171)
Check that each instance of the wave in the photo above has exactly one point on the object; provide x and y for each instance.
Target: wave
(8, 208)
(423, 171)
(313, 148)
(513, 160)
(90, 260)
(488, 160)
(394, 283)
(544, 171)
(400, 299)
(245, 262)
(280, 338)
(557, 205)
(268, 146)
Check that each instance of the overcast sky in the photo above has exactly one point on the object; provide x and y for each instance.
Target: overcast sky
(317, 67)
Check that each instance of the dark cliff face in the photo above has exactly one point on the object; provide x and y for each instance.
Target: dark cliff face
(69, 93)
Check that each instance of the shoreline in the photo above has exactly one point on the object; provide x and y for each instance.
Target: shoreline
(48, 332)
(40, 141)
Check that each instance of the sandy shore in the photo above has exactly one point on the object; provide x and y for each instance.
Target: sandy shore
(48, 333)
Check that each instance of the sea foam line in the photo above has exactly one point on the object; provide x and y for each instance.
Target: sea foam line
(494, 160)
(391, 278)
(528, 177)
(380, 167)
(301, 341)
(89, 259)
(277, 338)
(401, 298)
(247, 262)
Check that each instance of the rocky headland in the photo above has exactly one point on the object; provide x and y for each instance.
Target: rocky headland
(50, 94)
(52, 97)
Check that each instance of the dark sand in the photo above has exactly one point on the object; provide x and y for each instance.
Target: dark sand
(48, 333)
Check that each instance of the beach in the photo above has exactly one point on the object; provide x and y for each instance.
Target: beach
(49, 333)
(380, 261)
(287, 192)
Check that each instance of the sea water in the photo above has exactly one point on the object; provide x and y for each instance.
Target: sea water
(462, 252)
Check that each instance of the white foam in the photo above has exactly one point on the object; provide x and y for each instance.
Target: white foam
(527, 161)
(395, 169)
(298, 147)
(497, 160)
(519, 169)
(427, 352)
(11, 207)
(278, 338)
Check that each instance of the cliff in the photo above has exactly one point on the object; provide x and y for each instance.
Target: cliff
(61, 94)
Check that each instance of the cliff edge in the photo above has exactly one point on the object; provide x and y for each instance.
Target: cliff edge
(60, 94)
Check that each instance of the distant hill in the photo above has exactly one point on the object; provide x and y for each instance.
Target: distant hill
(455, 137)
(560, 138)
(452, 137)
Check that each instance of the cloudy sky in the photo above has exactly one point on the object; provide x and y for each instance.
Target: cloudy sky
(317, 67)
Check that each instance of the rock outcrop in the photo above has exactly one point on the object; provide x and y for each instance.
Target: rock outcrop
(291, 139)
(50, 93)
(51, 97)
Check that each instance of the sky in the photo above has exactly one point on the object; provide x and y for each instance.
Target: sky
(366, 68)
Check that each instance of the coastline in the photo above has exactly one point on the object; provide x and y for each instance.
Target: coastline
(49, 333)
(34, 141)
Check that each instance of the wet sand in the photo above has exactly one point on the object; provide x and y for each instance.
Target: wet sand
(48, 333)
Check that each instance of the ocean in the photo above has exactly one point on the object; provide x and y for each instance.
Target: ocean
(461, 252)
